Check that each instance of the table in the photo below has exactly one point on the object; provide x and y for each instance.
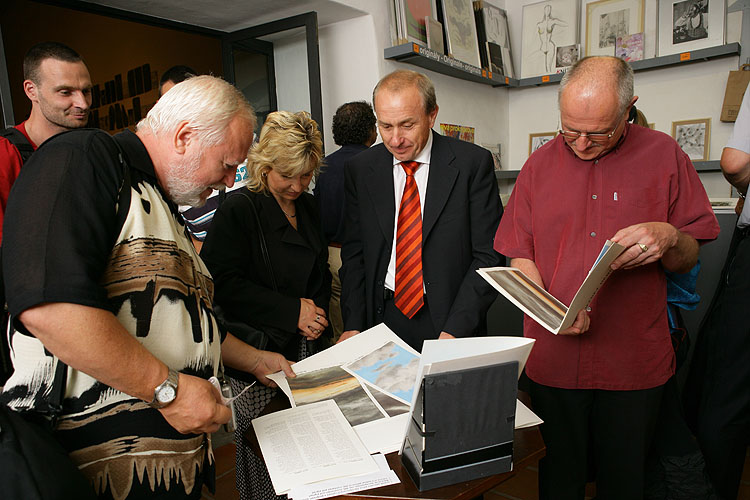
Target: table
(527, 447)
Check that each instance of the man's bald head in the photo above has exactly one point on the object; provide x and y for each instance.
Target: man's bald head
(597, 76)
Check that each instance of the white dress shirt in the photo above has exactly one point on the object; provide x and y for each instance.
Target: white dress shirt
(399, 182)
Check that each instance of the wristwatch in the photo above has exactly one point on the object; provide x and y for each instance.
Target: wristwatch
(166, 392)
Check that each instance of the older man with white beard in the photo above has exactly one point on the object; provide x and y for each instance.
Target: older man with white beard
(101, 276)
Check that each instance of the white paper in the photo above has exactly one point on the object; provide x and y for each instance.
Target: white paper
(381, 436)
(310, 443)
(525, 417)
(342, 486)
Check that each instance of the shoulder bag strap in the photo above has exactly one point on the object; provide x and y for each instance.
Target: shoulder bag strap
(261, 237)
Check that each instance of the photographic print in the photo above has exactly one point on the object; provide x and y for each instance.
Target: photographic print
(390, 368)
(414, 13)
(461, 31)
(335, 383)
(546, 26)
(686, 25)
(390, 405)
(567, 56)
(541, 304)
(630, 47)
(606, 20)
(536, 141)
(694, 137)
(495, 57)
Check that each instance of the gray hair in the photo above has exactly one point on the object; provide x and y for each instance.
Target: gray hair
(402, 78)
(206, 102)
(595, 68)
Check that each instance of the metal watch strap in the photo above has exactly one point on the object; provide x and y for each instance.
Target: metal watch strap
(171, 380)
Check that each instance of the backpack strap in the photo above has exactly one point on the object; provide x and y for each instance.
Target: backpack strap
(22, 144)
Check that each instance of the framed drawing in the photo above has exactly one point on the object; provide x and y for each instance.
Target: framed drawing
(694, 137)
(494, 27)
(608, 19)
(546, 26)
(461, 31)
(538, 140)
(686, 25)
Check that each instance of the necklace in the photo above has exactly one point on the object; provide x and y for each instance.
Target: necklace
(288, 215)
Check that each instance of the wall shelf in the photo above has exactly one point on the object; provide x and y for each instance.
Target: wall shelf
(416, 54)
(700, 166)
(423, 57)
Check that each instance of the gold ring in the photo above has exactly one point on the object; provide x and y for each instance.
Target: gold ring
(644, 248)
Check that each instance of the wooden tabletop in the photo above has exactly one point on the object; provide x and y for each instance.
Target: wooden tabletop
(527, 447)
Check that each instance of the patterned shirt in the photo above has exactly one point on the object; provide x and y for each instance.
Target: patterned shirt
(83, 229)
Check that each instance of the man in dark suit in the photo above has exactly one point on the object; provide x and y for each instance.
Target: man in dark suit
(421, 210)
(354, 130)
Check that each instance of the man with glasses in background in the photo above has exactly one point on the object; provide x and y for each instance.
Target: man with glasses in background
(598, 385)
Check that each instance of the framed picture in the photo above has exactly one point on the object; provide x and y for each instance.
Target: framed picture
(461, 31)
(567, 56)
(412, 14)
(494, 28)
(538, 140)
(694, 137)
(546, 26)
(686, 25)
(608, 19)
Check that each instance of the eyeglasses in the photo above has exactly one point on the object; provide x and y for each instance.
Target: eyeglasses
(595, 137)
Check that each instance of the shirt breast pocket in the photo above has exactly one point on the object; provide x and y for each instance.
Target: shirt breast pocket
(637, 205)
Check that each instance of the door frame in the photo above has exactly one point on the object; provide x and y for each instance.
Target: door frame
(309, 21)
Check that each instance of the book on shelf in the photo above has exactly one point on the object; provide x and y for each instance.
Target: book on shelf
(538, 303)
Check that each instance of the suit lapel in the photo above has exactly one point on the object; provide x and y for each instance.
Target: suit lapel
(440, 182)
(379, 184)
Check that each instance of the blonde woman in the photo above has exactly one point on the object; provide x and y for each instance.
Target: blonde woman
(269, 260)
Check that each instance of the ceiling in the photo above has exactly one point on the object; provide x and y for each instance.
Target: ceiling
(232, 15)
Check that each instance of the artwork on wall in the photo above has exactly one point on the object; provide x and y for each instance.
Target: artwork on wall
(694, 137)
(538, 140)
(462, 132)
(546, 26)
(494, 38)
(606, 20)
(686, 25)
(566, 56)
(434, 35)
(630, 47)
(461, 31)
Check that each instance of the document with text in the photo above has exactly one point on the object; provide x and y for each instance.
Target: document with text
(310, 443)
(539, 304)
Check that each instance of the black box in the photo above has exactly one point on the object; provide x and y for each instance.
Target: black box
(462, 426)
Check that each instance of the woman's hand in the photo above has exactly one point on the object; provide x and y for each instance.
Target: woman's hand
(312, 319)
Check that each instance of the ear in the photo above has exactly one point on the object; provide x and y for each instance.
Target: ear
(182, 137)
(432, 116)
(30, 90)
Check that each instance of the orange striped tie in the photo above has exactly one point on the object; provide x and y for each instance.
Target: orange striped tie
(408, 295)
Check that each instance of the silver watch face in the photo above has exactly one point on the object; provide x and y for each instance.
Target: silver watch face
(166, 394)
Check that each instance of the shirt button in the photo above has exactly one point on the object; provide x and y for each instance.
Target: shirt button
(593, 196)
(596, 162)
(592, 234)
(588, 309)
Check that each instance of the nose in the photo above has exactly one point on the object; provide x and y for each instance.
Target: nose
(296, 185)
(230, 176)
(583, 142)
(81, 100)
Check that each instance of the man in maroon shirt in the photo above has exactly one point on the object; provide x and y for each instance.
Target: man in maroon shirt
(57, 82)
(598, 385)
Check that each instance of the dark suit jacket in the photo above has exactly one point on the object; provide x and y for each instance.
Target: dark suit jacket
(461, 214)
(299, 259)
(329, 190)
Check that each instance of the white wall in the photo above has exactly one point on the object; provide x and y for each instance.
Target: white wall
(290, 68)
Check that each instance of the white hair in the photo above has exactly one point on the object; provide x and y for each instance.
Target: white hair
(206, 102)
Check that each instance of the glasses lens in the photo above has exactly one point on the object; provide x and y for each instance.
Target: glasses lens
(570, 135)
(598, 138)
